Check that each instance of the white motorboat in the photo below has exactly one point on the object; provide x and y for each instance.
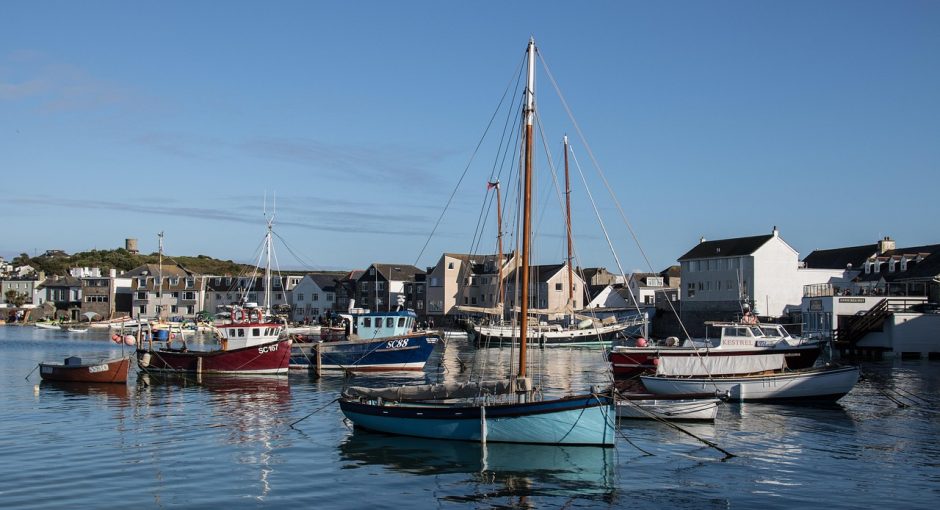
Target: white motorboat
(751, 378)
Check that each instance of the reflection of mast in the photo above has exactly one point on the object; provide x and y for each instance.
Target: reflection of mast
(568, 226)
(529, 115)
(499, 247)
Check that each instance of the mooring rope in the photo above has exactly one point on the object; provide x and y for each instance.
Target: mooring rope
(316, 411)
(660, 419)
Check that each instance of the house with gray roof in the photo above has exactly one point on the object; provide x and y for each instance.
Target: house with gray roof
(380, 285)
(763, 273)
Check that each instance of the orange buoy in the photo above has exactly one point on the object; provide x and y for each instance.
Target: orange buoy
(641, 342)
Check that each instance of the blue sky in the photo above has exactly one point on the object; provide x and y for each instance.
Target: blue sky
(716, 119)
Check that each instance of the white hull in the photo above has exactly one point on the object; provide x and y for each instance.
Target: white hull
(693, 409)
(303, 330)
(813, 384)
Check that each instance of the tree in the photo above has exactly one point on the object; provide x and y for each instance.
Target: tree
(15, 298)
(21, 260)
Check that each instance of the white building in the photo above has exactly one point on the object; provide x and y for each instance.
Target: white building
(314, 296)
(763, 271)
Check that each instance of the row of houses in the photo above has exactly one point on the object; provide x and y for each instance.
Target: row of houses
(712, 281)
(440, 293)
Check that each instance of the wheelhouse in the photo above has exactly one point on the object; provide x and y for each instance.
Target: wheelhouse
(384, 324)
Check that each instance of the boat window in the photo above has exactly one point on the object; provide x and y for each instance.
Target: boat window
(728, 331)
(390, 322)
(741, 332)
(771, 332)
(367, 322)
(255, 331)
(756, 332)
(241, 332)
(401, 322)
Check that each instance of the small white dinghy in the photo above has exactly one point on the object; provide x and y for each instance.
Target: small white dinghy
(645, 406)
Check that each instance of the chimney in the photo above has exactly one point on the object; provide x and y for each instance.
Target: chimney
(776, 232)
(701, 240)
(885, 245)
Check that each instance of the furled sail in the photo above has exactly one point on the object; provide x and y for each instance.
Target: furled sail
(433, 391)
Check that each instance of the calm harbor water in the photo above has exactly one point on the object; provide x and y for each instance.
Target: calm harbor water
(228, 442)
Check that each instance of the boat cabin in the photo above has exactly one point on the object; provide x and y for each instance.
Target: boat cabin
(383, 324)
(760, 335)
(247, 326)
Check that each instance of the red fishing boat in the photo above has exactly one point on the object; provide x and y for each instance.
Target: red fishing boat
(249, 341)
(74, 369)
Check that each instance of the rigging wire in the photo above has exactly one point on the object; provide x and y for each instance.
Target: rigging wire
(603, 178)
(466, 169)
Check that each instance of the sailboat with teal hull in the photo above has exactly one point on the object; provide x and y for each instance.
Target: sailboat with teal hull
(506, 411)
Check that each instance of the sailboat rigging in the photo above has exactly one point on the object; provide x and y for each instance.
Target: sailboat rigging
(497, 411)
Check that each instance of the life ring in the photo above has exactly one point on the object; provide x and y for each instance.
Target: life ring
(238, 315)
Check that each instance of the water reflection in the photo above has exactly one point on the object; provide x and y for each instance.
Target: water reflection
(118, 392)
(247, 412)
(519, 470)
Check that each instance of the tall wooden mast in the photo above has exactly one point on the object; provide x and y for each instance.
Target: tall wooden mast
(529, 116)
(568, 227)
(499, 247)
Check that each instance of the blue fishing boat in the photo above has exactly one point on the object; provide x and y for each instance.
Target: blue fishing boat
(378, 341)
(507, 411)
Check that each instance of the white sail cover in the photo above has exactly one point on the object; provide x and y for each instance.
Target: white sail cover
(492, 310)
(719, 365)
(433, 391)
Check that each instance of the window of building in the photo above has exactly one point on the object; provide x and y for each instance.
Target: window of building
(141, 295)
(557, 286)
(450, 265)
(690, 289)
(142, 309)
(329, 297)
